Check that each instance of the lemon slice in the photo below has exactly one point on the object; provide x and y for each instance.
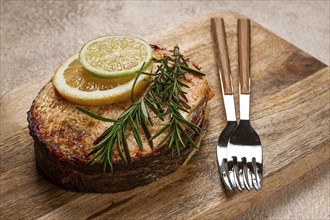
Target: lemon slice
(115, 56)
(77, 85)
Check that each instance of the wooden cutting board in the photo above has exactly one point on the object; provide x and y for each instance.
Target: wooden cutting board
(289, 109)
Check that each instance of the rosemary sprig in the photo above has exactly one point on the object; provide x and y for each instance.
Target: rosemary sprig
(165, 98)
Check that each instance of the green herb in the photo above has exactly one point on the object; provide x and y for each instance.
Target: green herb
(165, 98)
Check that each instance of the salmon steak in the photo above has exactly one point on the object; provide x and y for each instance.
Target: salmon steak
(64, 136)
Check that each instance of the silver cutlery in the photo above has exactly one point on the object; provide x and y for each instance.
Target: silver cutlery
(240, 160)
(221, 51)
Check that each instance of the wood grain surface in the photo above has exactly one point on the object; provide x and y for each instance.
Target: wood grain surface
(289, 108)
(221, 53)
(244, 39)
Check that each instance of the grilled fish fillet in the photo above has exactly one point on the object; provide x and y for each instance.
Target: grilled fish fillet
(63, 137)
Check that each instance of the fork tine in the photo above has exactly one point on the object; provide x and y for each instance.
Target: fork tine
(224, 174)
(254, 174)
(259, 167)
(240, 174)
(259, 175)
(236, 175)
(247, 175)
(235, 179)
(231, 174)
(251, 174)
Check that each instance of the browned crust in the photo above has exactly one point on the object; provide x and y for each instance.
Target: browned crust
(74, 173)
(84, 177)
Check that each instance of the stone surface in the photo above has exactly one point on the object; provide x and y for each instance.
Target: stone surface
(36, 36)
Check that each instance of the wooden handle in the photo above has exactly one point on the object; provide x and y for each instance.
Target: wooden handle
(218, 29)
(244, 54)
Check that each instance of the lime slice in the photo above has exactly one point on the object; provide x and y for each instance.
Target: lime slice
(74, 83)
(115, 56)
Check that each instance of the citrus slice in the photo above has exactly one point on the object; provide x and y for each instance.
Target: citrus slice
(77, 85)
(115, 56)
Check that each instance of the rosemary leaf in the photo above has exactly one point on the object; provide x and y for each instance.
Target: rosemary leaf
(191, 125)
(163, 114)
(172, 138)
(190, 70)
(109, 155)
(146, 131)
(98, 147)
(119, 148)
(167, 125)
(135, 80)
(136, 133)
(153, 109)
(178, 133)
(103, 135)
(183, 132)
(165, 97)
(125, 145)
(144, 109)
(164, 139)
(98, 117)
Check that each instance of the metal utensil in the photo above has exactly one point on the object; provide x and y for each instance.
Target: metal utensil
(222, 60)
(244, 150)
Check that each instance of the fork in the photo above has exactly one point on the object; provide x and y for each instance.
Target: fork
(244, 150)
(222, 58)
